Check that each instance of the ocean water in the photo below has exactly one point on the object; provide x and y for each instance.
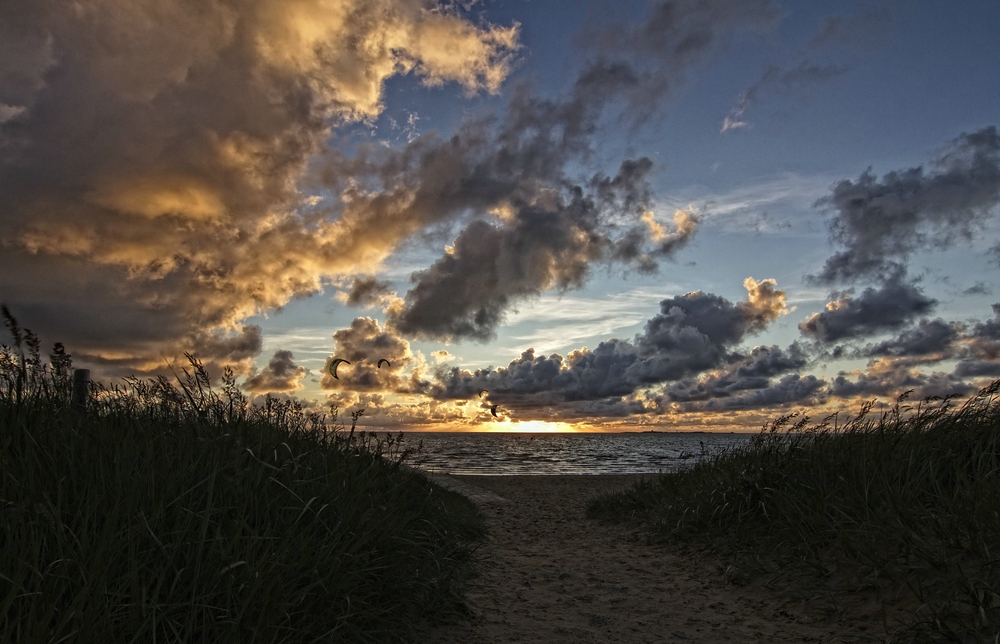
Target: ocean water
(563, 453)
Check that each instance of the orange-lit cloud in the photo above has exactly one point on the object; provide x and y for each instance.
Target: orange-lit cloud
(153, 154)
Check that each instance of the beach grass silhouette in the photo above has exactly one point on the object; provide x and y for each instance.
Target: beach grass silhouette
(169, 511)
(901, 509)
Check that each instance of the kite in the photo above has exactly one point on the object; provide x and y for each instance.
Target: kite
(484, 391)
(381, 361)
(334, 364)
(493, 410)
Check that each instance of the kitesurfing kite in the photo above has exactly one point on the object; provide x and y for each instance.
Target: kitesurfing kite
(493, 410)
(381, 361)
(334, 364)
(484, 391)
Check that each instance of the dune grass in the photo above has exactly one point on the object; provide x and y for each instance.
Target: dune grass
(179, 514)
(902, 506)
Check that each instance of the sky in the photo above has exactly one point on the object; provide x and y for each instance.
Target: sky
(544, 215)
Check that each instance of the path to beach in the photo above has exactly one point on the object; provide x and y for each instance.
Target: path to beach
(547, 574)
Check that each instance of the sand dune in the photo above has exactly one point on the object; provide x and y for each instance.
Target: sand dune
(547, 574)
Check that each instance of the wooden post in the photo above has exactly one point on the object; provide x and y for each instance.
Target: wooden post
(81, 389)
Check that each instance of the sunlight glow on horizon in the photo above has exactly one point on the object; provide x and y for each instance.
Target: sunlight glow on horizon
(530, 426)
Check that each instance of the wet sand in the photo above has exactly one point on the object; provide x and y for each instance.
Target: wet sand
(547, 574)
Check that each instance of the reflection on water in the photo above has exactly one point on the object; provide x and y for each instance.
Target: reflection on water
(563, 453)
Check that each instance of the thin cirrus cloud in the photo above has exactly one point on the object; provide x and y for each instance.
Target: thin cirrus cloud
(559, 320)
(836, 32)
(778, 80)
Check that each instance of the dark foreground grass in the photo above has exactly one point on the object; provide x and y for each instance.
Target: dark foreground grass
(176, 514)
(904, 507)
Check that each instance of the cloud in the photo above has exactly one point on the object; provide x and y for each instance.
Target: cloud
(929, 338)
(364, 344)
(860, 31)
(547, 227)
(835, 32)
(215, 348)
(280, 375)
(544, 230)
(979, 288)
(891, 306)
(206, 202)
(549, 243)
(880, 223)
(744, 383)
(692, 333)
(981, 355)
(675, 35)
(152, 153)
(367, 291)
(781, 81)
(792, 388)
(886, 377)
(556, 320)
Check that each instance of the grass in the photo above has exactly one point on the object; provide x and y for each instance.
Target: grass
(180, 514)
(903, 507)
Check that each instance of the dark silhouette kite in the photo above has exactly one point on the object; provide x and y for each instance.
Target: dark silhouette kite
(333, 366)
(493, 410)
(381, 361)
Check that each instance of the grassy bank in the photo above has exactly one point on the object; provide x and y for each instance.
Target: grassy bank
(903, 507)
(177, 514)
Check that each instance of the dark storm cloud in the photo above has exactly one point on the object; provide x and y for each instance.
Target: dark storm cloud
(792, 388)
(977, 369)
(691, 334)
(880, 223)
(750, 372)
(891, 306)
(928, 338)
(549, 243)
(547, 230)
(215, 349)
(981, 354)
(368, 291)
(280, 375)
(884, 378)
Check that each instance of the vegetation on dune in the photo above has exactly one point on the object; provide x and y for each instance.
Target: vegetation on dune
(180, 514)
(903, 508)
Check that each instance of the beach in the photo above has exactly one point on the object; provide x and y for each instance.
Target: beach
(545, 573)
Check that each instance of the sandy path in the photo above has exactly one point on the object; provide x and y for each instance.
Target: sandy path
(547, 574)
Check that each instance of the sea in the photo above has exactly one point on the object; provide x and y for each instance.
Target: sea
(563, 453)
